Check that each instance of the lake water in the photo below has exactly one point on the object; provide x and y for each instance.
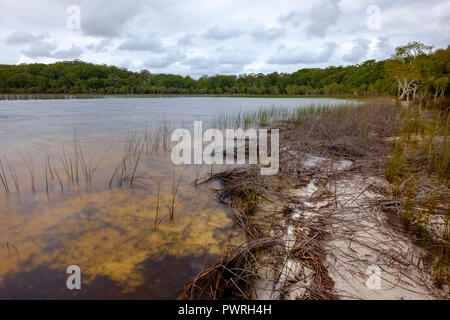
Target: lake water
(78, 192)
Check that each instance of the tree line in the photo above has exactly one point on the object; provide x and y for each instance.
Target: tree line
(413, 71)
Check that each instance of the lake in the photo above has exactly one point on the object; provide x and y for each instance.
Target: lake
(90, 182)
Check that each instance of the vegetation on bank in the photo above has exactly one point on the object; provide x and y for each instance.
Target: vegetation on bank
(53, 96)
(419, 172)
(406, 145)
(414, 70)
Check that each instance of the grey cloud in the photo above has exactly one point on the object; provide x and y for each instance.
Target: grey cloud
(165, 60)
(286, 55)
(292, 18)
(226, 58)
(186, 39)
(197, 62)
(107, 18)
(223, 61)
(230, 69)
(258, 32)
(21, 37)
(101, 46)
(323, 14)
(200, 66)
(223, 33)
(39, 49)
(233, 57)
(150, 44)
(73, 53)
(267, 33)
(383, 47)
(359, 50)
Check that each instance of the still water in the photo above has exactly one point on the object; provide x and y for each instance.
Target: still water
(76, 191)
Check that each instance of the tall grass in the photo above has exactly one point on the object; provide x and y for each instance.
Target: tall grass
(30, 167)
(133, 174)
(264, 117)
(3, 178)
(157, 221)
(125, 172)
(14, 176)
(418, 170)
(73, 165)
(175, 187)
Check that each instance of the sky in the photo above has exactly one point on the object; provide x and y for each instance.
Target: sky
(198, 37)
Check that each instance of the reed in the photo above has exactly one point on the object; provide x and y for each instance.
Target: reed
(133, 174)
(197, 174)
(46, 178)
(175, 187)
(265, 117)
(123, 172)
(14, 176)
(30, 167)
(157, 221)
(66, 162)
(149, 141)
(3, 177)
(114, 174)
(58, 177)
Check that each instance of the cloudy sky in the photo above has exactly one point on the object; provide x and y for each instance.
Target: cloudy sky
(199, 37)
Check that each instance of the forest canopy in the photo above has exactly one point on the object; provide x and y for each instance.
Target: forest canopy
(413, 70)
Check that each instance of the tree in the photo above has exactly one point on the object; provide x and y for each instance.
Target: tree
(405, 68)
(414, 71)
(439, 86)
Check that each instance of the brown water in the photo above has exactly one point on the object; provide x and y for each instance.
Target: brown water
(105, 228)
(110, 234)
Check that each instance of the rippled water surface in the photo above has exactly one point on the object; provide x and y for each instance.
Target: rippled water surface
(66, 204)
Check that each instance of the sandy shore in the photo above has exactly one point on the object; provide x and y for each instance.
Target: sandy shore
(363, 254)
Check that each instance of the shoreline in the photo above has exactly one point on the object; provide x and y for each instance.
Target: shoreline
(324, 227)
(62, 96)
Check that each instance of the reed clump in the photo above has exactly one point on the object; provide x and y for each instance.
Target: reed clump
(265, 117)
(126, 171)
(149, 141)
(232, 276)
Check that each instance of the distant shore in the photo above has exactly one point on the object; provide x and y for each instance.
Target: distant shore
(51, 96)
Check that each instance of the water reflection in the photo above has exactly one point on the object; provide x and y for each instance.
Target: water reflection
(111, 235)
(109, 232)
